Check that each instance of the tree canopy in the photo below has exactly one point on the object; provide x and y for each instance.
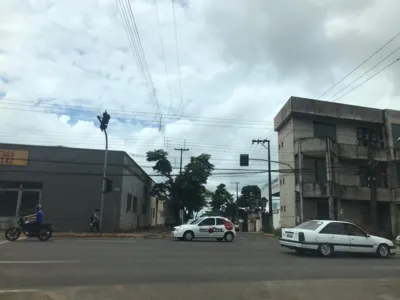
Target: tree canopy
(220, 198)
(186, 190)
(250, 198)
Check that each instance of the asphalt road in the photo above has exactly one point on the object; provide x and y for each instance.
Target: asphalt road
(248, 265)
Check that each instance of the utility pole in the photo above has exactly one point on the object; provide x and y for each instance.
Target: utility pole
(181, 150)
(103, 126)
(271, 223)
(237, 201)
(180, 187)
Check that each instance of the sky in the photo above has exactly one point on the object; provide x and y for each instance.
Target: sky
(221, 70)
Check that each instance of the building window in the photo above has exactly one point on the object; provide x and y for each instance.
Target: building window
(144, 209)
(279, 146)
(135, 204)
(280, 182)
(320, 171)
(282, 145)
(283, 180)
(153, 212)
(370, 136)
(129, 202)
(324, 130)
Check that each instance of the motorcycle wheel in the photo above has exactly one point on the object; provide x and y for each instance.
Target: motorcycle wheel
(44, 234)
(12, 234)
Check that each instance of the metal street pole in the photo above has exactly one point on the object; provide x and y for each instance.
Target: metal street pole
(237, 201)
(104, 180)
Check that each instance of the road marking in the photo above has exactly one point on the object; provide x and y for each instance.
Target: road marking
(243, 238)
(19, 239)
(16, 291)
(39, 262)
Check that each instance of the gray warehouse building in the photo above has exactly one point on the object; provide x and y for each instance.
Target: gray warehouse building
(67, 182)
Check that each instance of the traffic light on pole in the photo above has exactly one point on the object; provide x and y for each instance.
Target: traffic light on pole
(244, 160)
(104, 120)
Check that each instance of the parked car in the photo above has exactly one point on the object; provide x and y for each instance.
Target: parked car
(328, 237)
(218, 228)
(397, 240)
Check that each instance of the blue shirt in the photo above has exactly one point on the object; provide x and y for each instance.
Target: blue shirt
(39, 217)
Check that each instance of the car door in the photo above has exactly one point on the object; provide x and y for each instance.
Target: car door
(204, 226)
(335, 234)
(219, 228)
(359, 240)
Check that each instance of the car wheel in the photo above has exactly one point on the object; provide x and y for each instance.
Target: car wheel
(383, 250)
(325, 250)
(229, 237)
(220, 239)
(188, 236)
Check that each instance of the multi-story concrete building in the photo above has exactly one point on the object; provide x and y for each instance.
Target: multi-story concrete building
(332, 147)
(68, 181)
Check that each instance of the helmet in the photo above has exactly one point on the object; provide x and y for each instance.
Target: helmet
(38, 207)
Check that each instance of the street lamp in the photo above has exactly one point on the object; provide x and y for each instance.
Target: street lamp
(103, 126)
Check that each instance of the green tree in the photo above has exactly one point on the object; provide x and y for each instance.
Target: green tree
(250, 198)
(220, 198)
(186, 190)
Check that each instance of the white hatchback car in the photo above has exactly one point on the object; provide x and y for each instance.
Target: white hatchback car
(327, 237)
(218, 228)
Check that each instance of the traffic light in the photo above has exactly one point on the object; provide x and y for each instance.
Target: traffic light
(244, 160)
(104, 120)
(108, 185)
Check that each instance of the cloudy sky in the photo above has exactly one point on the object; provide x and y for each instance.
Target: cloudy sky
(217, 84)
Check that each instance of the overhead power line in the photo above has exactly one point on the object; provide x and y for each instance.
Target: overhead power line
(369, 78)
(360, 65)
(177, 58)
(164, 57)
(132, 32)
(366, 72)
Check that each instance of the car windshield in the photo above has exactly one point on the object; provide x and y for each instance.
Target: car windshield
(310, 225)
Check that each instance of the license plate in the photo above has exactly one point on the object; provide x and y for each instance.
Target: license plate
(289, 235)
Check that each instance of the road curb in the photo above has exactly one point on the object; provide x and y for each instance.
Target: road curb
(105, 235)
(270, 235)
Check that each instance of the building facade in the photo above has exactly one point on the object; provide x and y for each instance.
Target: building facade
(68, 184)
(333, 148)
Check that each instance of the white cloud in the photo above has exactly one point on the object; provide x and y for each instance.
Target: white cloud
(240, 61)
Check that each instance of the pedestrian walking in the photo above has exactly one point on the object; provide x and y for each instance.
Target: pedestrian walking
(95, 221)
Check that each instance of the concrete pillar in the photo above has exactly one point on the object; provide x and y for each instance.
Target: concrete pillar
(394, 218)
(329, 177)
(300, 157)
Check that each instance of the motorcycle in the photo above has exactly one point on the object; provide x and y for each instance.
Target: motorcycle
(43, 231)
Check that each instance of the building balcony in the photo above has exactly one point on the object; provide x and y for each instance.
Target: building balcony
(314, 190)
(318, 146)
(347, 151)
(314, 146)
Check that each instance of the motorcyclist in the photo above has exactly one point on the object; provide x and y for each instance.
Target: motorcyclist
(38, 218)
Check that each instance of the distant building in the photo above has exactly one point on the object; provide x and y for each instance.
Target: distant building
(68, 181)
(328, 144)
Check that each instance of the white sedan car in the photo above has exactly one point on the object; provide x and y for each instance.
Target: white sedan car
(218, 228)
(327, 237)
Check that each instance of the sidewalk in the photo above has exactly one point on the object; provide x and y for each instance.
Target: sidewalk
(136, 235)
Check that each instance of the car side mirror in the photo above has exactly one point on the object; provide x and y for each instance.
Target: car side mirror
(367, 235)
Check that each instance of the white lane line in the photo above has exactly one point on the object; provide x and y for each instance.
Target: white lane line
(5, 241)
(16, 291)
(39, 262)
(243, 238)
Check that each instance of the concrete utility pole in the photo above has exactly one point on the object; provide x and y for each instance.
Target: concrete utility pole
(271, 223)
(180, 188)
(181, 150)
(237, 201)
